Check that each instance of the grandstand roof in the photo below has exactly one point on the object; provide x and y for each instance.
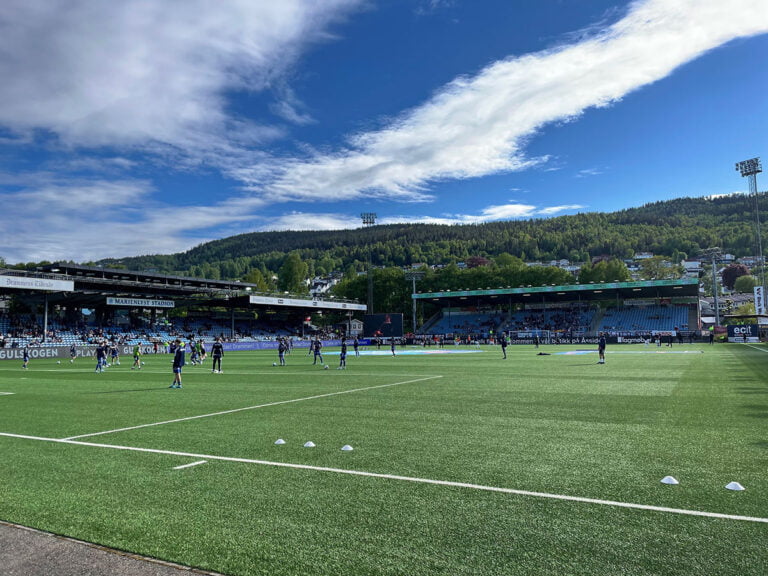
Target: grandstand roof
(684, 287)
(92, 285)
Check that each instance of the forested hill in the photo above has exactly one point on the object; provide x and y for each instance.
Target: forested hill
(672, 228)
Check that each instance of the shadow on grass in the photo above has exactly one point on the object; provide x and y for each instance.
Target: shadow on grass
(757, 410)
(752, 390)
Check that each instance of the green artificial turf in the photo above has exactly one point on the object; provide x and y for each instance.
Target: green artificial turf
(555, 424)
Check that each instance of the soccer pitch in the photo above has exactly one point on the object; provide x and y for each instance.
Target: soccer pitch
(462, 463)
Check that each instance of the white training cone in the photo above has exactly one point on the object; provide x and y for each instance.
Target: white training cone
(279, 441)
(669, 480)
(735, 486)
(309, 444)
(347, 448)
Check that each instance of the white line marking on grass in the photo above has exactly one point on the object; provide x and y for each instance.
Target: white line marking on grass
(401, 479)
(762, 349)
(7, 393)
(190, 465)
(251, 408)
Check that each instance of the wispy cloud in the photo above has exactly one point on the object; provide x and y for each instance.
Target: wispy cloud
(137, 80)
(340, 221)
(587, 172)
(479, 125)
(132, 72)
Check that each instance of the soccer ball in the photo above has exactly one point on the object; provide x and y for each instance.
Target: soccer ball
(274, 363)
(326, 367)
(58, 361)
(142, 363)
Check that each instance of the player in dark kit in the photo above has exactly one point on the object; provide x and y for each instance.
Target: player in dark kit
(178, 364)
(217, 351)
(101, 357)
(343, 355)
(504, 343)
(317, 348)
(601, 348)
(282, 348)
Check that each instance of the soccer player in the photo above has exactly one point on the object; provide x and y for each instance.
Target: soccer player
(72, 353)
(317, 347)
(101, 357)
(503, 342)
(136, 357)
(343, 355)
(356, 346)
(601, 348)
(114, 354)
(392, 347)
(282, 347)
(178, 364)
(193, 356)
(25, 357)
(217, 351)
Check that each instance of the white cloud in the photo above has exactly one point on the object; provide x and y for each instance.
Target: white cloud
(132, 72)
(49, 218)
(478, 125)
(337, 221)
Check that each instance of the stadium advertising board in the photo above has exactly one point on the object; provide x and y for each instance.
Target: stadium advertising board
(299, 303)
(383, 326)
(743, 333)
(140, 303)
(759, 300)
(28, 283)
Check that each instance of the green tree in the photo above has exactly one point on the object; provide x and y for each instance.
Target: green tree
(731, 273)
(745, 284)
(255, 276)
(292, 276)
(659, 268)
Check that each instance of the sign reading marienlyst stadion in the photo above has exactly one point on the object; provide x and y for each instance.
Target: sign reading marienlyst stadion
(29, 283)
(140, 303)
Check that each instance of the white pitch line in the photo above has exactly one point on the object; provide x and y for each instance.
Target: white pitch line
(7, 393)
(414, 479)
(190, 465)
(756, 348)
(249, 408)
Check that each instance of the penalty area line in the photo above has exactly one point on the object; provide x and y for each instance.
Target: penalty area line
(223, 412)
(417, 480)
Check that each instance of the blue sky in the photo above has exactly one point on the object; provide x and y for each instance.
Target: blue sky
(136, 127)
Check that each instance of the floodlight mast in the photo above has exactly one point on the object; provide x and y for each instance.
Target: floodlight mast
(414, 275)
(750, 169)
(369, 219)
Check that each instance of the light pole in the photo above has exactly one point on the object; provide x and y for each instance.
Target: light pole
(714, 255)
(369, 219)
(750, 169)
(414, 275)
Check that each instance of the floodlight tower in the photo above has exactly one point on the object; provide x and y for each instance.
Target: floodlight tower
(714, 255)
(750, 169)
(369, 219)
(414, 275)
